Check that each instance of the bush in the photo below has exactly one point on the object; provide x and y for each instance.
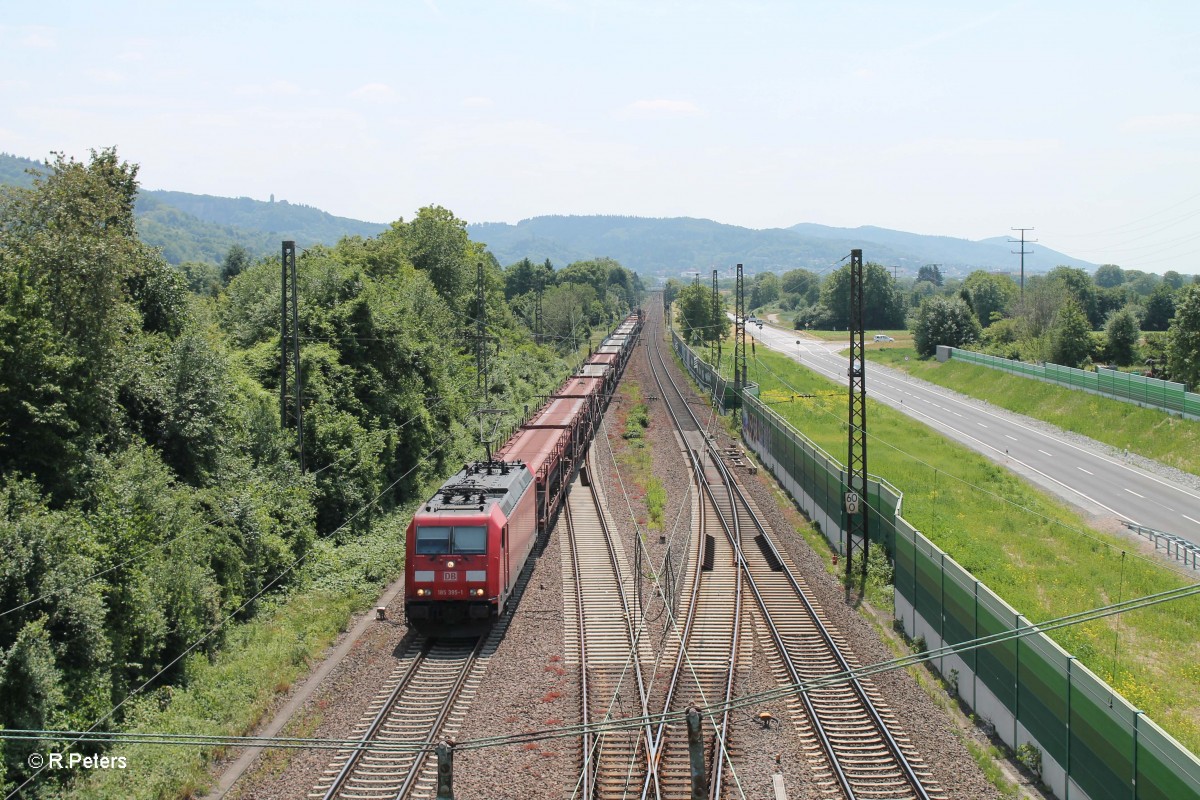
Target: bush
(944, 321)
(816, 317)
(1030, 757)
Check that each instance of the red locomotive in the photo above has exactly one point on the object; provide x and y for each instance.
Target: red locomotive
(468, 544)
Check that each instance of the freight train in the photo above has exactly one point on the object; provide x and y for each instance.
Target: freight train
(468, 544)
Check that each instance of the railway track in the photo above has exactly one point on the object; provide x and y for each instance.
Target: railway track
(607, 639)
(854, 742)
(707, 642)
(421, 702)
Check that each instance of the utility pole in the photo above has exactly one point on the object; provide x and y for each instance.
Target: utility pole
(856, 461)
(537, 311)
(739, 335)
(289, 347)
(1022, 252)
(714, 349)
(482, 384)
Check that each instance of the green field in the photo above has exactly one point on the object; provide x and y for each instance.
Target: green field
(1147, 432)
(1031, 549)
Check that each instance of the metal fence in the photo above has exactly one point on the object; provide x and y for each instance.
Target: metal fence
(706, 375)
(1111, 383)
(1094, 744)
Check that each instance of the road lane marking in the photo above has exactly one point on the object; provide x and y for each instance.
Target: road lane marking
(822, 353)
(1185, 516)
(1135, 494)
(1081, 469)
(1015, 439)
(980, 424)
(934, 422)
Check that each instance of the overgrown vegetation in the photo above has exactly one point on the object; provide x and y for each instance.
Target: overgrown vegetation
(1123, 318)
(156, 525)
(656, 501)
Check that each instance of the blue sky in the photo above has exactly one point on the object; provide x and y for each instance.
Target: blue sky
(1081, 119)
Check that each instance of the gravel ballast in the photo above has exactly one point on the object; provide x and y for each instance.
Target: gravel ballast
(530, 687)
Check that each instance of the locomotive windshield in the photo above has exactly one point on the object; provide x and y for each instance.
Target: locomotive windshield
(433, 541)
(463, 540)
(470, 540)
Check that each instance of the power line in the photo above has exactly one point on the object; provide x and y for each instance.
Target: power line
(625, 723)
(981, 489)
(284, 572)
(203, 526)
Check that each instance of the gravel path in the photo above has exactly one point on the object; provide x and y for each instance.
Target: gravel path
(528, 687)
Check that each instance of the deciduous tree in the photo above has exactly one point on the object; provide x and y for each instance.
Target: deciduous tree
(1070, 339)
(1109, 276)
(988, 294)
(1121, 335)
(931, 273)
(883, 305)
(1183, 338)
(700, 321)
(1160, 307)
(946, 321)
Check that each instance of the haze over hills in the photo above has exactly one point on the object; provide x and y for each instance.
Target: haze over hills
(192, 227)
(197, 227)
(670, 246)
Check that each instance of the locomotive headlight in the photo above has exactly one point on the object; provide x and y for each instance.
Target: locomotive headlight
(479, 592)
(449, 565)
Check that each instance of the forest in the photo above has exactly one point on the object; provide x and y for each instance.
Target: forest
(152, 504)
(1120, 317)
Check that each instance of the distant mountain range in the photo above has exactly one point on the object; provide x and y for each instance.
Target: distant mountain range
(199, 227)
(672, 246)
(192, 227)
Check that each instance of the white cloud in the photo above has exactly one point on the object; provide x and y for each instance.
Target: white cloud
(661, 108)
(374, 93)
(478, 102)
(1162, 123)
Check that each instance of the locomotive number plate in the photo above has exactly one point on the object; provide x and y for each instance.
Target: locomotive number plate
(449, 576)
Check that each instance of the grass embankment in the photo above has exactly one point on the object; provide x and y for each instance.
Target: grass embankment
(1145, 431)
(230, 695)
(632, 417)
(1029, 548)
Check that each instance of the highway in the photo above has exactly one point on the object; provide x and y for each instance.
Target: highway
(1090, 478)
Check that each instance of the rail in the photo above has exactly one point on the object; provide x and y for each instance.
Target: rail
(628, 615)
(737, 498)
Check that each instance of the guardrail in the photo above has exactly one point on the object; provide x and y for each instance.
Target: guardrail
(1094, 743)
(1113, 384)
(1181, 549)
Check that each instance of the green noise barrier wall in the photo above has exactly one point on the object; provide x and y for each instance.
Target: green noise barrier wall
(1094, 744)
(1125, 386)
